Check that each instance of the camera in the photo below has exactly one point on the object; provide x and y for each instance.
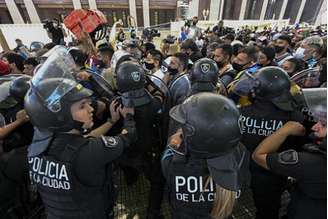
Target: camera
(188, 23)
(48, 25)
(149, 33)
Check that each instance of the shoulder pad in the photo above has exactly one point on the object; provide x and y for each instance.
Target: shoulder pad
(288, 157)
(109, 142)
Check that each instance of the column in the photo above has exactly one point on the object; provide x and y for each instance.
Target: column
(300, 11)
(14, 12)
(92, 4)
(283, 9)
(133, 10)
(32, 13)
(242, 9)
(264, 8)
(77, 4)
(214, 10)
(145, 9)
(322, 15)
(196, 8)
(221, 10)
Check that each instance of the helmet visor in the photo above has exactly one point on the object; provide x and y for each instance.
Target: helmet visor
(59, 66)
(316, 100)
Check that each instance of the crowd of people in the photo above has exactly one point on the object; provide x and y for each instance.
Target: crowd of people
(204, 117)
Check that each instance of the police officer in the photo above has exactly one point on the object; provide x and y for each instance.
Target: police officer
(204, 77)
(17, 132)
(272, 106)
(203, 159)
(144, 156)
(72, 173)
(307, 167)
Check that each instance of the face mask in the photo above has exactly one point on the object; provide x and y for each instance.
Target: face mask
(149, 66)
(238, 67)
(194, 23)
(172, 71)
(279, 49)
(220, 64)
(299, 54)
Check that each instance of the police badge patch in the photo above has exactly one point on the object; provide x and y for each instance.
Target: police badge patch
(288, 157)
(109, 142)
(205, 67)
(136, 76)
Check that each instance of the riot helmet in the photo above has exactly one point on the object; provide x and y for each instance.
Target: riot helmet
(204, 75)
(267, 84)
(316, 101)
(53, 91)
(210, 124)
(130, 80)
(19, 87)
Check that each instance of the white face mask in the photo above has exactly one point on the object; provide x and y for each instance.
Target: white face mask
(299, 54)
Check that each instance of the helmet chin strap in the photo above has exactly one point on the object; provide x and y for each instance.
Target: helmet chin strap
(79, 126)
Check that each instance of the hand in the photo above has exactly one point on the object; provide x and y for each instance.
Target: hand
(294, 128)
(176, 139)
(22, 116)
(114, 110)
(126, 110)
(83, 76)
(167, 78)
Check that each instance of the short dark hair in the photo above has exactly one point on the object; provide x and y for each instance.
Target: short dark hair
(183, 58)
(285, 38)
(149, 46)
(269, 52)
(300, 64)
(226, 49)
(15, 58)
(236, 48)
(250, 51)
(31, 61)
(156, 54)
(230, 36)
(106, 49)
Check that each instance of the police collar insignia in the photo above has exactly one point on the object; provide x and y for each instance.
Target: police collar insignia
(135, 76)
(205, 67)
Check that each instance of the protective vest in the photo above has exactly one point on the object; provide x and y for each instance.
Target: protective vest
(63, 195)
(191, 196)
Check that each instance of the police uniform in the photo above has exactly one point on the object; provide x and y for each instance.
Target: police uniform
(144, 155)
(186, 179)
(206, 157)
(309, 198)
(272, 107)
(260, 120)
(22, 135)
(73, 175)
(13, 181)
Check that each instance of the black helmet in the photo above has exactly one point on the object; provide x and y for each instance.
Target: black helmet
(54, 114)
(269, 83)
(204, 75)
(53, 91)
(210, 124)
(19, 87)
(130, 80)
